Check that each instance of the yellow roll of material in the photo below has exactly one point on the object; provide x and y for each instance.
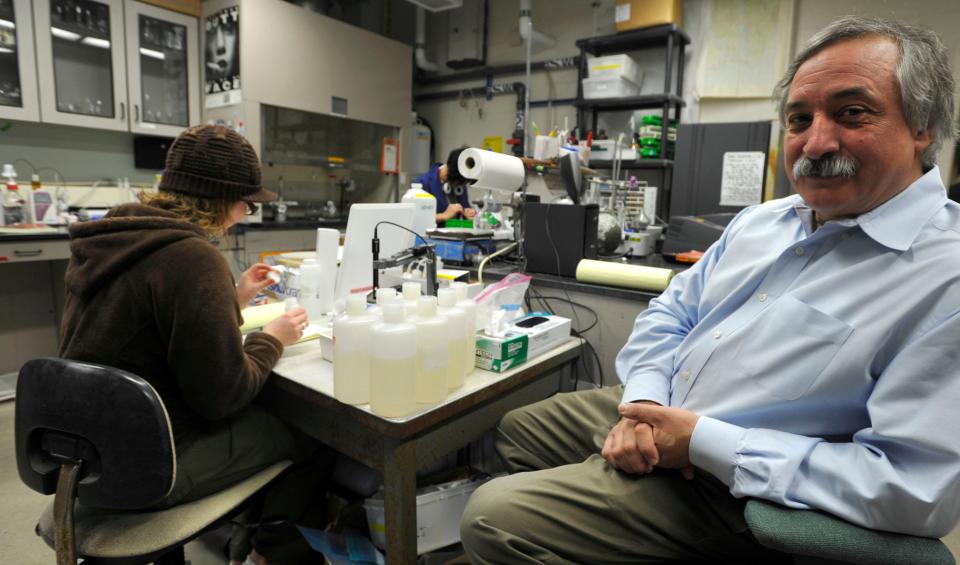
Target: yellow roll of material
(620, 274)
(258, 316)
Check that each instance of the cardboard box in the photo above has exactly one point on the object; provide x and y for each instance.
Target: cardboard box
(548, 332)
(498, 354)
(636, 14)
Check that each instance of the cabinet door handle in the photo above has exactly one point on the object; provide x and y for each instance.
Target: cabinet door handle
(31, 253)
(136, 112)
(123, 111)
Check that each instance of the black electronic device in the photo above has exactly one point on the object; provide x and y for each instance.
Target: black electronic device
(530, 322)
(150, 152)
(558, 236)
(694, 233)
(570, 175)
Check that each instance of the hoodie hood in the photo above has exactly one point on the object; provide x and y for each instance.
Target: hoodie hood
(105, 249)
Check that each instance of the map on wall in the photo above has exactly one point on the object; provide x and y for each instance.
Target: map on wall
(746, 48)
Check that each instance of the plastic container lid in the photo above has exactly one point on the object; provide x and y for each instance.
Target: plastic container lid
(411, 291)
(386, 296)
(356, 304)
(427, 306)
(460, 288)
(447, 297)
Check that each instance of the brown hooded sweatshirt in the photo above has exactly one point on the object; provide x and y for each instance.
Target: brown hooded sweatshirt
(149, 294)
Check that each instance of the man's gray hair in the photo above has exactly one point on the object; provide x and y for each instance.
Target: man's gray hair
(926, 82)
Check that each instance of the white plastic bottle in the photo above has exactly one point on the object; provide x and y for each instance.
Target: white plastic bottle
(457, 330)
(425, 208)
(432, 356)
(309, 295)
(351, 352)
(411, 293)
(470, 307)
(393, 365)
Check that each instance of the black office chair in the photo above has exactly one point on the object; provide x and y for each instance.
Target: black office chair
(813, 537)
(99, 438)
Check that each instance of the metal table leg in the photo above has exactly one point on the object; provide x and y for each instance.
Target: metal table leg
(400, 504)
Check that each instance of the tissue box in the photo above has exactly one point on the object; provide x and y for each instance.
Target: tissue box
(498, 354)
(543, 331)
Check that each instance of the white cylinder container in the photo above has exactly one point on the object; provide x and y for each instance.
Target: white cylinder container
(309, 294)
(385, 295)
(351, 352)
(457, 330)
(470, 307)
(393, 365)
(411, 293)
(328, 241)
(432, 355)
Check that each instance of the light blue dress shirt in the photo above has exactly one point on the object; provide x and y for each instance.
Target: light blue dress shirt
(781, 336)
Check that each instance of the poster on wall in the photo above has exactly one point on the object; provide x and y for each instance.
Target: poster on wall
(222, 58)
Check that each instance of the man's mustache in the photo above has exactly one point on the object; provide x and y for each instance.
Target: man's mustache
(830, 166)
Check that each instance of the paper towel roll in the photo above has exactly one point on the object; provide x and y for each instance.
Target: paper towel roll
(328, 241)
(620, 274)
(491, 170)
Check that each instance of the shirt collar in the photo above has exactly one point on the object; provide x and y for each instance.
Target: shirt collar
(896, 222)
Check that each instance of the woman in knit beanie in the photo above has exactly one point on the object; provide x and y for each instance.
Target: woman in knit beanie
(149, 293)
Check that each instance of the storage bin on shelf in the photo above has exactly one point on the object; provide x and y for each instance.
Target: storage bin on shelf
(439, 509)
(609, 87)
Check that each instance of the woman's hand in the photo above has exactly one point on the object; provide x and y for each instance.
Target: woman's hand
(289, 327)
(252, 281)
(469, 213)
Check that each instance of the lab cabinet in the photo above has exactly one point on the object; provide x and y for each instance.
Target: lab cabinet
(80, 63)
(116, 64)
(18, 71)
(163, 70)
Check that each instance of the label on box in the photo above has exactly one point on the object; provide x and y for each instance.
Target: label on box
(498, 354)
(622, 13)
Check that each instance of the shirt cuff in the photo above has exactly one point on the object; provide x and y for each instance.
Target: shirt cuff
(713, 448)
(643, 387)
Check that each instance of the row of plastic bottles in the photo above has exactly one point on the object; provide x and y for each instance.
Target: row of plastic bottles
(406, 350)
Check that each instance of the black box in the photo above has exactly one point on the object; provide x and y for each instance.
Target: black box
(572, 236)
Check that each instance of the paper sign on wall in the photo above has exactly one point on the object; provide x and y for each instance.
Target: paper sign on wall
(742, 181)
(388, 156)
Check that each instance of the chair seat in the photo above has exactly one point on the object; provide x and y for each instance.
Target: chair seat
(111, 534)
(815, 534)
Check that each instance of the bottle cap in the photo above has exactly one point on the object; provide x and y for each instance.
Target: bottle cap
(356, 304)
(447, 297)
(460, 288)
(416, 186)
(34, 178)
(393, 313)
(411, 291)
(9, 171)
(427, 306)
(386, 296)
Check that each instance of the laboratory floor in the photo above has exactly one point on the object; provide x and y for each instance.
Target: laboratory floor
(22, 506)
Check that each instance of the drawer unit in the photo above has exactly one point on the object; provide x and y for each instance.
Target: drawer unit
(34, 250)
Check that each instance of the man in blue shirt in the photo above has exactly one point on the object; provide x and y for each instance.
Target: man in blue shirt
(811, 358)
(448, 186)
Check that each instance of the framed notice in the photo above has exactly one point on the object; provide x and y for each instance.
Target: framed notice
(222, 57)
(389, 156)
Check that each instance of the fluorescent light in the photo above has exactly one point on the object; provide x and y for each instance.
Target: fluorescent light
(151, 53)
(7, 24)
(5, 50)
(64, 34)
(96, 42)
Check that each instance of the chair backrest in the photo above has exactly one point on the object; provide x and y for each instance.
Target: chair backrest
(110, 419)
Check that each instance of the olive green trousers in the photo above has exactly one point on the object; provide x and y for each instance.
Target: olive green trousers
(235, 448)
(563, 503)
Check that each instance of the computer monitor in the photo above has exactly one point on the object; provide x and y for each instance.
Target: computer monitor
(570, 174)
(356, 266)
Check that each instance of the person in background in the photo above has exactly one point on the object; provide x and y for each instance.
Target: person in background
(149, 293)
(809, 358)
(448, 186)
